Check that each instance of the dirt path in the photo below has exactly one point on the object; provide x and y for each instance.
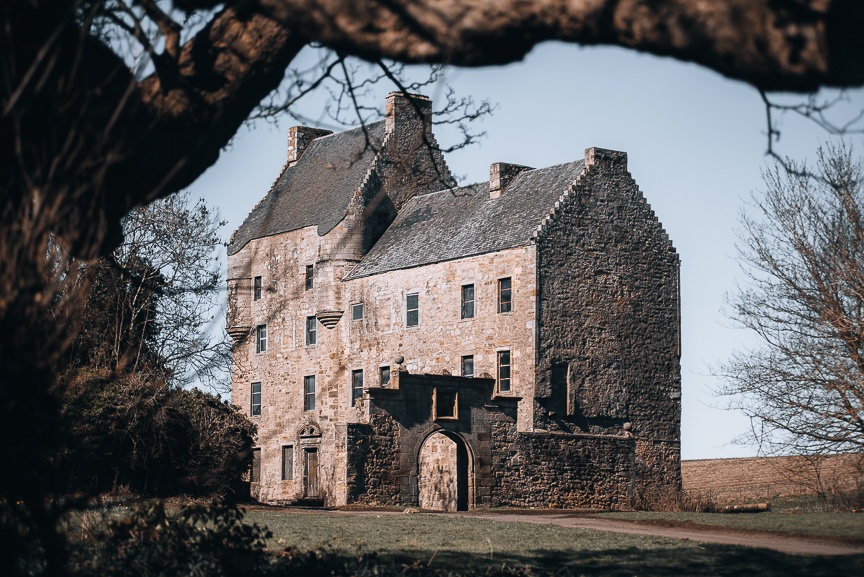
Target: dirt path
(784, 544)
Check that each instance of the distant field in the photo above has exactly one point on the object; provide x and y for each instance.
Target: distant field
(766, 478)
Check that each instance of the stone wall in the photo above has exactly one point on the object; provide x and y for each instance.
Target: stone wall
(373, 462)
(561, 470)
(609, 350)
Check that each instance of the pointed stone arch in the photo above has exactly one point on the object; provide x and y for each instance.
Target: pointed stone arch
(445, 472)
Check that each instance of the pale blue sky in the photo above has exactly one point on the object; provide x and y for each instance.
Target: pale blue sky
(695, 143)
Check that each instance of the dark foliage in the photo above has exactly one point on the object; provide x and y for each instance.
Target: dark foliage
(124, 430)
(208, 539)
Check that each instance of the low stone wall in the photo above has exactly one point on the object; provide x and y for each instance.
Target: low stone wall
(564, 471)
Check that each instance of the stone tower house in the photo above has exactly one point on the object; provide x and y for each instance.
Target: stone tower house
(400, 341)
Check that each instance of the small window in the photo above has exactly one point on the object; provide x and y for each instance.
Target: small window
(468, 366)
(310, 276)
(504, 371)
(261, 339)
(309, 393)
(287, 463)
(446, 404)
(412, 310)
(255, 473)
(311, 330)
(505, 295)
(256, 399)
(357, 312)
(468, 301)
(356, 386)
(384, 375)
(256, 288)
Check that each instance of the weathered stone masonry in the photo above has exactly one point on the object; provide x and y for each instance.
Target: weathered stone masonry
(572, 335)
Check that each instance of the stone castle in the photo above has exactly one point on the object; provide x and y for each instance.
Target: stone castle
(399, 341)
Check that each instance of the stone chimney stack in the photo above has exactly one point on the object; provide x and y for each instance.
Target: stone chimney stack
(402, 108)
(299, 139)
(595, 156)
(501, 174)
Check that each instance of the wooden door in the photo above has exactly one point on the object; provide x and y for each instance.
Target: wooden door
(310, 472)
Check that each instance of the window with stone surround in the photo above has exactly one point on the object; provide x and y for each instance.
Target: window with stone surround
(309, 393)
(505, 295)
(255, 402)
(468, 366)
(287, 462)
(467, 311)
(261, 339)
(412, 310)
(255, 473)
(310, 276)
(257, 288)
(504, 371)
(356, 385)
(357, 312)
(384, 375)
(311, 330)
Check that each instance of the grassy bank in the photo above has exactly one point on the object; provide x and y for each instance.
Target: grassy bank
(460, 544)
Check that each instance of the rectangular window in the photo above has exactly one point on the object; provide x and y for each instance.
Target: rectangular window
(504, 371)
(311, 330)
(384, 375)
(356, 385)
(309, 393)
(256, 399)
(357, 312)
(287, 463)
(505, 295)
(412, 310)
(256, 288)
(310, 276)
(445, 404)
(261, 339)
(468, 301)
(255, 473)
(468, 366)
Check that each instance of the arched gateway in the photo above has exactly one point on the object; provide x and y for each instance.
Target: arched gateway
(444, 475)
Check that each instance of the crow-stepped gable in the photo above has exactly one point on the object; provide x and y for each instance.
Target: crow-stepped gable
(402, 341)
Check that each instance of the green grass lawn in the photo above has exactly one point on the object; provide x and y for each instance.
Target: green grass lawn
(842, 526)
(456, 545)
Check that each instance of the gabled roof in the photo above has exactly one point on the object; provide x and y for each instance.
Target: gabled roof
(317, 189)
(456, 223)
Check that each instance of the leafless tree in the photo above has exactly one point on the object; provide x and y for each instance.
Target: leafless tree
(802, 253)
(154, 301)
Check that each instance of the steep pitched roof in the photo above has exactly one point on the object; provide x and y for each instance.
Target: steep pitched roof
(452, 224)
(316, 190)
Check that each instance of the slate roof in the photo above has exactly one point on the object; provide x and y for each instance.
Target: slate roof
(316, 190)
(452, 224)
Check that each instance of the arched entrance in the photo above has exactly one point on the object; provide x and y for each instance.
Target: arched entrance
(444, 473)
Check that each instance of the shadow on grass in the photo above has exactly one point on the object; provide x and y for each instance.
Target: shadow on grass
(707, 560)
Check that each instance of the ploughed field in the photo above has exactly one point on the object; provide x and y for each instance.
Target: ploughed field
(766, 478)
